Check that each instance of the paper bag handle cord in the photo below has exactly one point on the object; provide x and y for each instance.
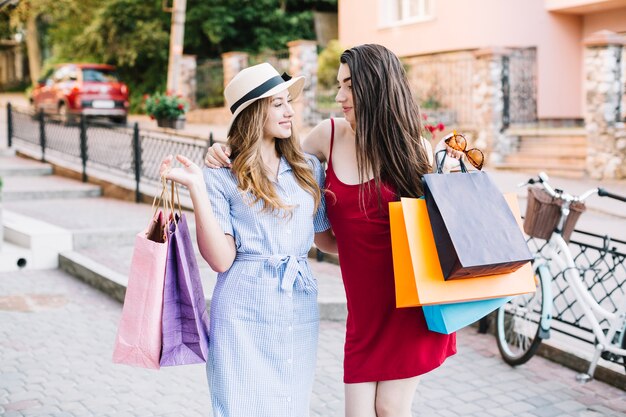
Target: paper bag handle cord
(440, 163)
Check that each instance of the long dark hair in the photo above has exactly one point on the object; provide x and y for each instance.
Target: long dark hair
(388, 123)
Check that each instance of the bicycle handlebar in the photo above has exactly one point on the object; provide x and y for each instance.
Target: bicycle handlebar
(604, 193)
(543, 179)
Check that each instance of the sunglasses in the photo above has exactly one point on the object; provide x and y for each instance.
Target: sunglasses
(458, 142)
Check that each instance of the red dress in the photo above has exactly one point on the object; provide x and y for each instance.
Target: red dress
(382, 342)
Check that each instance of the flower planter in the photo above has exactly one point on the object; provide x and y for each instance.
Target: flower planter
(178, 123)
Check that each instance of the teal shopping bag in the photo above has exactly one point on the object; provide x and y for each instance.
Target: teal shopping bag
(448, 318)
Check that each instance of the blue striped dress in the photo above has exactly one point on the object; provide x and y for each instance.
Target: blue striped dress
(264, 318)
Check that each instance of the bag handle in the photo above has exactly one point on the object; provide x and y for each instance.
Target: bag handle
(160, 201)
(175, 198)
(443, 159)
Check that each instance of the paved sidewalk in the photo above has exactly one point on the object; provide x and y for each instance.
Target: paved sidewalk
(57, 334)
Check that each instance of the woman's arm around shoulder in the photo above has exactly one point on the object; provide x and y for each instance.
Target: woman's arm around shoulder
(324, 237)
(317, 142)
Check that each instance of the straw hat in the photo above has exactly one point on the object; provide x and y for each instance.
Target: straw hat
(257, 82)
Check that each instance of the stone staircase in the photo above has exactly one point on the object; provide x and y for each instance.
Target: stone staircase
(30, 241)
(560, 152)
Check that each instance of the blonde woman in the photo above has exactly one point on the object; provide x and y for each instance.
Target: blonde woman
(255, 225)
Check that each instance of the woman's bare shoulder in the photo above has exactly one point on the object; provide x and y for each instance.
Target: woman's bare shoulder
(317, 141)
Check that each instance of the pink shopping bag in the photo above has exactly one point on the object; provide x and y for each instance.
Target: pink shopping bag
(139, 337)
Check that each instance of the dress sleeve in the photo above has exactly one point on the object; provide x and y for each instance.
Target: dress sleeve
(216, 183)
(320, 221)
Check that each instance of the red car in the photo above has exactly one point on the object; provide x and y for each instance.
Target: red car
(89, 89)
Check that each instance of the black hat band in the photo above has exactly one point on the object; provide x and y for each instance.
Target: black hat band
(258, 91)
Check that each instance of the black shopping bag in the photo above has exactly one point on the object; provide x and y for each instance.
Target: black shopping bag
(475, 231)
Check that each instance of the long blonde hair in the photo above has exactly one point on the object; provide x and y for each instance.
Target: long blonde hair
(245, 138)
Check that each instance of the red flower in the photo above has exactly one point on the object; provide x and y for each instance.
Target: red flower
(181, 106)
(430, 128)
(146, 96)
(440, 127)
(151, 117)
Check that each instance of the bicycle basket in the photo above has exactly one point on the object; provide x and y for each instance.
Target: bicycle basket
(543, 213)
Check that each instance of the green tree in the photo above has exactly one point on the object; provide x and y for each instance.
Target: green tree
(327, 64)
(131, 34)
(217, 26)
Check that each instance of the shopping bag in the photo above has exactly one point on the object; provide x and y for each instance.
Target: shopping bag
(474, 229)
(448, 318)
(138, 341)
(185, 318)
(417, 271)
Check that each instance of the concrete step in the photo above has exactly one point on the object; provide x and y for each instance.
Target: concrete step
(94, 222)
(539, 149)
(566, 141)
(533, 169)
(12, 166)
(547, 131)
(15, 257)
(547, 161)
(18, 188)
(41, 241)
(107, 270)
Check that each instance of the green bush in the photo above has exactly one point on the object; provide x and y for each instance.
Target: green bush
(328, 63)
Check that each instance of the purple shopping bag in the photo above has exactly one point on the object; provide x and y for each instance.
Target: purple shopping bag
(185, 320)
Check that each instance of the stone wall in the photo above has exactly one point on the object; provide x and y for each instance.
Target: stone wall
(233, 62)
(604, 95)
(303, 61)
(488, 101)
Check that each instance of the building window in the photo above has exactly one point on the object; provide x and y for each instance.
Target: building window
(406, 11)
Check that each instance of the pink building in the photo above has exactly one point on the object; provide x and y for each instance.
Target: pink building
(539, 83)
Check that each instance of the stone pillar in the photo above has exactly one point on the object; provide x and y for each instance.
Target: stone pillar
(488, 104)
(303, 61)
(187, 81)
(233, 62)
(606, 134)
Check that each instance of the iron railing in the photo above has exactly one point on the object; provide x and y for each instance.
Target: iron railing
(601, 262)
(124, 151)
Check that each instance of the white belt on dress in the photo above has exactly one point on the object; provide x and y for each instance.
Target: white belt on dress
(295, 275)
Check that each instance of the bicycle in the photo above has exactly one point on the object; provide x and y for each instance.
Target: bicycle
(525, 321)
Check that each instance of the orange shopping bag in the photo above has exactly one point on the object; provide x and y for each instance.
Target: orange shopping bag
(418, 276)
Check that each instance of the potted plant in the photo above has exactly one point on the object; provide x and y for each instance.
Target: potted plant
(168, 110)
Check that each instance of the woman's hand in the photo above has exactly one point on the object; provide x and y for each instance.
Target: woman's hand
(217, 156)
(190, 175)
(452, 153)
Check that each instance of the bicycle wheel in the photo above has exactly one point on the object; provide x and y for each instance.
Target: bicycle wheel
(518, 324)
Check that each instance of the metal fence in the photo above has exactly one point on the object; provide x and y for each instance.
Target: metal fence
(127, 152)
(602, 264)
(519, 87)
(444, 82)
